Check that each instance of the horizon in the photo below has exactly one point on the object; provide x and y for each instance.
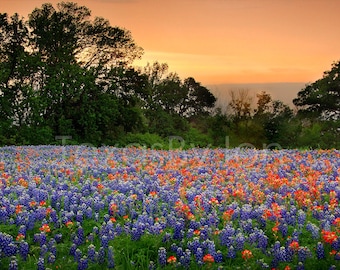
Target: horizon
(282, 91)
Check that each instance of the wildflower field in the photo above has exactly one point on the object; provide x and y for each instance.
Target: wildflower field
(78, 207)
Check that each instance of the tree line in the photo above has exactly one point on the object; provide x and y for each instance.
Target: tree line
(63, 73)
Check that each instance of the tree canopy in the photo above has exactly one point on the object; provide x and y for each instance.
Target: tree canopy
(322, 97)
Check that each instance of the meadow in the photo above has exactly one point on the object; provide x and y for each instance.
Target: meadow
(80, 207)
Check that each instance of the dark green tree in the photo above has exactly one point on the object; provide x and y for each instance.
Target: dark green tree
(322, 97)
(319, 108)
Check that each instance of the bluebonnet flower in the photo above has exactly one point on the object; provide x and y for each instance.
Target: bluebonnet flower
(88, 212)
(22, 230)
(283, 229)
(301, 218)
(82, 263)
(252, 238)
(24, 250)
(110, 258)
(320, 251)
(231, 253)
(162, 256)
(137, 231)
(303, 253)
(204, 233)
(91, 252)
(179, 252)
(247, 225)
(11, 250)
(95, 230)
(43, 250)
(13, 265)
(77, 255)
(7, 245)
(152, 266)
(178, 231)
(195, 244)
(104, 240)
(262, 264)
(79, 216)
(313, 229)
(218, 256)
(226, 235)
(101, 255)
(337, 256)
(73, 249)
(185, 259)
(80, 234)
(199, 255)
(41, 263)
(282, 255)
(211, 247)
(239, 241)
(51, 258)
(58, 237)
(166, 237)
(300, 266)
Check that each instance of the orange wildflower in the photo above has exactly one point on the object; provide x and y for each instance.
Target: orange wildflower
(228, 214)
(45, 228)
(20, 237)
(153, 193)
(33, 203)
(113, 208)
(208, 258)
(69, 224)
(100, 187)
(294, 245)
(214, 201)
(275, 229)
(42, 203)
(329, 236)
(18, 208)
(172, 259)
(197, 232)
(246, 254)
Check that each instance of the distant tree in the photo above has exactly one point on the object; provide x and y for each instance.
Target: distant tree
(263, 103)
(240, 104)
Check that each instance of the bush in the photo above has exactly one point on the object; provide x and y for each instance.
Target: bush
(147, 140)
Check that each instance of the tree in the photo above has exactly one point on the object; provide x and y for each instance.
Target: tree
(263, 101)
(15, 86)
(321, 99)
(199, 100)
(240, 104)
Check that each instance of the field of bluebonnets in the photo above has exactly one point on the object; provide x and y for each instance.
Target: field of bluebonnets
(78, 207)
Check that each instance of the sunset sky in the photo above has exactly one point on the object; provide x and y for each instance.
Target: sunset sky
(225, 41)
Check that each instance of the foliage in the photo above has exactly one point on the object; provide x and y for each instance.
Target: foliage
(322, 98)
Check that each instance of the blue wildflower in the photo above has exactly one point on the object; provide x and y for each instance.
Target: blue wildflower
(162, 256)
(110, 258)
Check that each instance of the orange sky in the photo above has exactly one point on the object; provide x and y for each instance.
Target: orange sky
(225, 41)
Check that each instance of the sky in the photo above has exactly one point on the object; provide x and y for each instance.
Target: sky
(226, 44)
